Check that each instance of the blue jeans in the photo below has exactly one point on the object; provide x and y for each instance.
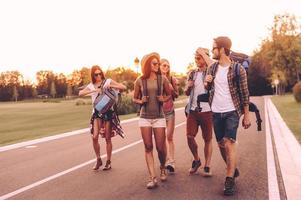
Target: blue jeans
(225, 125)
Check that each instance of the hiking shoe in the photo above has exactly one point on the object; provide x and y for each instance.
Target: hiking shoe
(236, 173)
(107, 166)
(97, 164)
(152, 183)
(207, 172)
(229, 186)
(170, 167)
(195, 166)
(163, 175)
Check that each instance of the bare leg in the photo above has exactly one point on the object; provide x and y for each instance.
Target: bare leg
(160, 139)
(170, 143)
(230, 147)
(95, 136)
(109, 146)
(146, 133)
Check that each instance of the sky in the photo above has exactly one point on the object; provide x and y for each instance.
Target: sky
(62, 36)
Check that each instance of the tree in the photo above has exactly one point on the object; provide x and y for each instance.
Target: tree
(53, 90)
(15, 93)
(279, 57)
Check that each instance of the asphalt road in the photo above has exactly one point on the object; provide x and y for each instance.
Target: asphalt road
(30, 168)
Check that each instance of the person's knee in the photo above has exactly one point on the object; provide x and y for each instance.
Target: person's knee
(95, 138)
(170, 138)
(148, 148)
(221, 144)
(108, 140)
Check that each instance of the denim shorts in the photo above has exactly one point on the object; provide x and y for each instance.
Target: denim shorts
(225, 125)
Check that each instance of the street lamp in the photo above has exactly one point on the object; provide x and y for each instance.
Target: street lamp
(136, 61)
(276, 82)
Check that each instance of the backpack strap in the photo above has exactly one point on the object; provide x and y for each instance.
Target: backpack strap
(144, 90)
(214, 68)
(237, 79)
(159, 92)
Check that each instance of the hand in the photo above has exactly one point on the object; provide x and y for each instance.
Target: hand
(208, 78)
(98, 90)
(144, 99)
(246, 123)
(190, 84)
(160, 98)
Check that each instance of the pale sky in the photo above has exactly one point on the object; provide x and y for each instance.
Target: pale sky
(63, 35)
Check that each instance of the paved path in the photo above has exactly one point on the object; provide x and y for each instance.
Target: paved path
(61, 169)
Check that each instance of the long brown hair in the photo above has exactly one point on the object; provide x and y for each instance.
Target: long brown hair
(93, 69)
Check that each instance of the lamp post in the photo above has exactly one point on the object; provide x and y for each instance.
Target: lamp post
(276, 82)
(136, 61)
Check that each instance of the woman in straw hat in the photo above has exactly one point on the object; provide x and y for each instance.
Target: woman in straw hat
(148, 92)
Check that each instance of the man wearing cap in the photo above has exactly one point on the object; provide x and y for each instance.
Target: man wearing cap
(226, 105)
(198, 114)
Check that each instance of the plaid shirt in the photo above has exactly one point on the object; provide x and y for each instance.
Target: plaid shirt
(234, 90)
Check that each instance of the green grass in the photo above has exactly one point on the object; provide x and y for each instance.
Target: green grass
(290, 111)
(26, 120)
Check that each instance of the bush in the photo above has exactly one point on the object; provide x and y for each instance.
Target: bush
(126, 105)
(80, 102)
(51, 101)
(297, 92)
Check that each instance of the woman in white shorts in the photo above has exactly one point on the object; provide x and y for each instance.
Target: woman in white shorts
(148, 93)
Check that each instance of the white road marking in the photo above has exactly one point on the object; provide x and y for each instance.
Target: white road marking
(271, 168)
(30, 147)
(23, 189)
(59, 136)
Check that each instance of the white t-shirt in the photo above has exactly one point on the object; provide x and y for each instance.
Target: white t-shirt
(94, 94)
(199, 88)
(222, 100)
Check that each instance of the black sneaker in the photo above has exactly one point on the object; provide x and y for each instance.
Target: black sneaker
(236, 173)
(195, 166)
(170, 167)
(229, 186)
(207, 172)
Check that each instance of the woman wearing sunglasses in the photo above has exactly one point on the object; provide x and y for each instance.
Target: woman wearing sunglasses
(148, 92)
(169, 112)
(101, 123)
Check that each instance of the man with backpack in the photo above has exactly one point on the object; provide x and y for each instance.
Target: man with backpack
(198, 114)
(229, 99)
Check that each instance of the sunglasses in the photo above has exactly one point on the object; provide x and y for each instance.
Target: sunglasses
(155, 63)
(197, 58)
(165, 65)
(97, 74)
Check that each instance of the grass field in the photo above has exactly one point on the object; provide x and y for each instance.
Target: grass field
(28, 120)
(290, 111)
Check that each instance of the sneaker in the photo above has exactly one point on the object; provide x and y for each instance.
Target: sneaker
(229, 186)
(107, 166)
(236, 173)
(152, 183)
(97, 164)
(207, 172)
(163, 175)
(195, 166)
(170, 167)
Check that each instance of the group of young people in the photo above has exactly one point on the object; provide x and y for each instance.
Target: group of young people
(155, 91)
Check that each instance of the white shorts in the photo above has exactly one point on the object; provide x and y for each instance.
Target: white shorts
(154, 123)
